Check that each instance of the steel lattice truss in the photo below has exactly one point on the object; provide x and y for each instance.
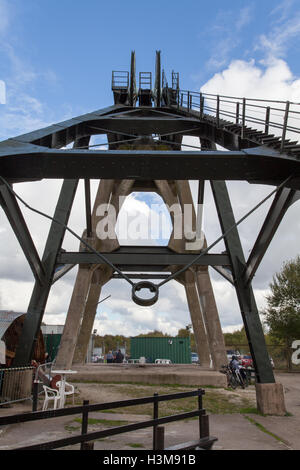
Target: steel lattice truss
(168, 114)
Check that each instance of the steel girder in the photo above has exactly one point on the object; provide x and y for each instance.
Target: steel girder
(146, 258)
(40, 155)
(41, 292)
(253, 327)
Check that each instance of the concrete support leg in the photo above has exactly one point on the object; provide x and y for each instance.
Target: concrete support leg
(72, 325)
(109, 192)
(171, 200)
(270, 399)
(211, 318)
(201, 339)
(100, 277)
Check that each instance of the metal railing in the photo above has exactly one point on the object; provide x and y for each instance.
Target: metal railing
(281, 117)
(145, 80)
(86, 408)
(120, 79)
(15, 384)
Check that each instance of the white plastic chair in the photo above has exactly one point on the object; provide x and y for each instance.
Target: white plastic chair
(50, 394)
(69, 389)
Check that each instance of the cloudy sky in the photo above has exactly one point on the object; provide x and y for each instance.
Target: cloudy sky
(56, 59)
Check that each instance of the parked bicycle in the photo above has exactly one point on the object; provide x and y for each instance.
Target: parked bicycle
(234, 377)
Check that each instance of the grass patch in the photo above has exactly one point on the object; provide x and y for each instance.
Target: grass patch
(215, 401)
(251, 410)
(135, 445)
(106, 422)
(266, 431)
(71, 428)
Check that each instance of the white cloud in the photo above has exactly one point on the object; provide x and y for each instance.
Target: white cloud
(248, 79)
(284, 30)
(2, 92)
(245, 16)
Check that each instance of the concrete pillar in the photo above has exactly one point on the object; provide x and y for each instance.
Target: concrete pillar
(109, 192)
(103, 197)
(72, 325)
(211, 318)
(171, 200)
(82, 285)
(188, 280)
(100, 277)
(198, 325)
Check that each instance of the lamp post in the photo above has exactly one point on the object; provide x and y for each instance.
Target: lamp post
(103, 346)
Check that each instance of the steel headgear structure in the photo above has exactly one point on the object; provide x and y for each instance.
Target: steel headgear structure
(144, 130)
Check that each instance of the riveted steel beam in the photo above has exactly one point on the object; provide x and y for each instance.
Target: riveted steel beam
(136, 258)
(37, 163)
(253, 327)
(40, 292)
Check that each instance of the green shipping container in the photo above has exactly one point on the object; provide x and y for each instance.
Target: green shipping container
(178, 350)
(52, 342)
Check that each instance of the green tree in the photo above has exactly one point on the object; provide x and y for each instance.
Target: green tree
(236, 339)
(282, 314)
(155, 333)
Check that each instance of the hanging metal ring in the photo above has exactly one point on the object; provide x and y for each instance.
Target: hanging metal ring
(145, 285)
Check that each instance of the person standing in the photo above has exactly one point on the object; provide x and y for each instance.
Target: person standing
(109, 357)
(119, 357)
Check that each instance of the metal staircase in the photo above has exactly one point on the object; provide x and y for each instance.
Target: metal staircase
(236, 115)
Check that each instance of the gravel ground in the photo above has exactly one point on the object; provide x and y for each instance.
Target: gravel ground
(238, 431)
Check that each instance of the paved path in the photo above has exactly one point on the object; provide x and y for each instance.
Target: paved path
(234, 431)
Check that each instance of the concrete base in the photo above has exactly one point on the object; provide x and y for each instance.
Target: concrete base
(181, 374)
(270, 399)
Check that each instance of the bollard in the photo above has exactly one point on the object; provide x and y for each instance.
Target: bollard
(87, 446)
(160, 438)
(204, 426)
(35, 392)
(84, 424)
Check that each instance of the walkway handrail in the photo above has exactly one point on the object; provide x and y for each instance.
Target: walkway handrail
(265, 113)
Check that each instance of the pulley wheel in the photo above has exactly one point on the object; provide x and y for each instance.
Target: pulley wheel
(145, 285)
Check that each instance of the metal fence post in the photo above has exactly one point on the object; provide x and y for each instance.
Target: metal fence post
(243, 118)
(267, 122)
(84, 423)
(200, 407)
(203, 417)
(155, 416)
(160, 438)
(35, 392)
(201, 105)
(218, 111)
(285, 121)
(237, 113)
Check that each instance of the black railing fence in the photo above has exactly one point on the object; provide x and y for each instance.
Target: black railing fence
(15, 384)
(87, 437)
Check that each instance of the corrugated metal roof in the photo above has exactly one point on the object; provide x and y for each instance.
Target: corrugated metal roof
(52, 329)
(6, 319)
